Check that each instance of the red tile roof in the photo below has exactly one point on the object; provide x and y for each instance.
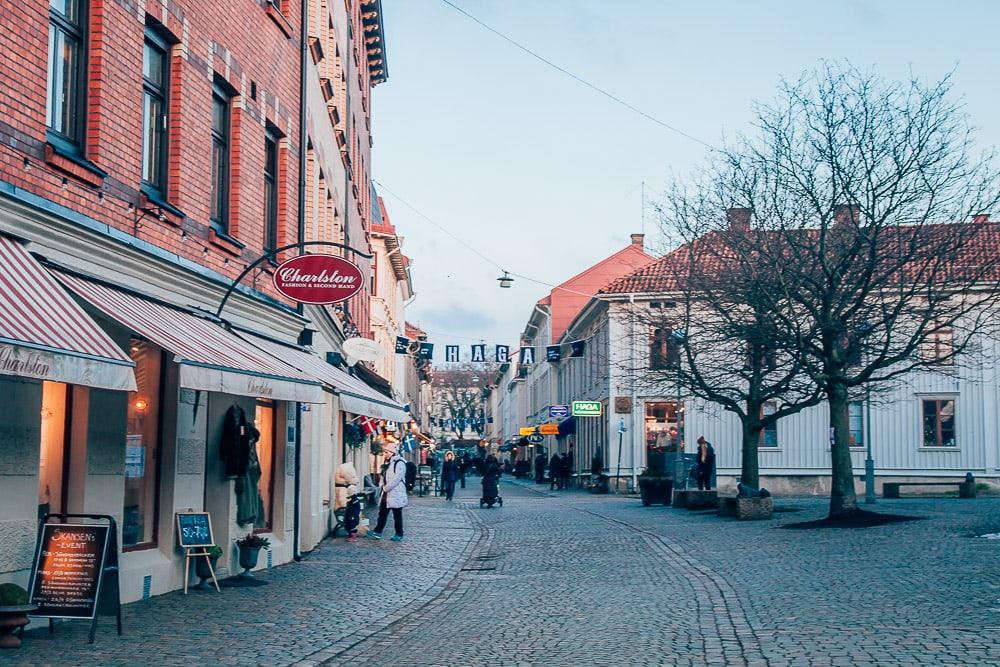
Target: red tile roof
(412, 331)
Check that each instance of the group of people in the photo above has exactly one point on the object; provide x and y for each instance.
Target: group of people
(560, 468)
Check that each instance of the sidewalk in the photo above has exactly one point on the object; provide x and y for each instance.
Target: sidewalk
(338, 595)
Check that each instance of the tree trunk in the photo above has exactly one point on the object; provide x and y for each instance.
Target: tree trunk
(750, 468)
(843, 500)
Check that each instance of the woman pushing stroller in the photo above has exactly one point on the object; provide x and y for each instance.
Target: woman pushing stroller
(491, 486)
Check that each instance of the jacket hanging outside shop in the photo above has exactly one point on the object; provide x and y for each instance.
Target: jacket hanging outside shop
(238, 436)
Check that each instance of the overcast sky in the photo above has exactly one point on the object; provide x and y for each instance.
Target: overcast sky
(541, 174)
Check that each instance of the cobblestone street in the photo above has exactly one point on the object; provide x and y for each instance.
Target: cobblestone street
(574, 579)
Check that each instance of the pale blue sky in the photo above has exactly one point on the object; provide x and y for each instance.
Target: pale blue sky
(540, 173)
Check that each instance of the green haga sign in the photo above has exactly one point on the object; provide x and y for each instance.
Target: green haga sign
(586, 408)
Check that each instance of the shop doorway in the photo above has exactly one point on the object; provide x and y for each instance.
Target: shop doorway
(53, 463)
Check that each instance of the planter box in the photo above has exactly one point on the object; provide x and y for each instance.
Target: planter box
(655, 490)
(701, 500)
(746, 509)
(680, 498)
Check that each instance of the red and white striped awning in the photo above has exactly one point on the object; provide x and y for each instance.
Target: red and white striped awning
(356, 396)
(44, 334)
(211, 358)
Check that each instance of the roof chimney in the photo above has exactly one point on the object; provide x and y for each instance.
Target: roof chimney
(981, 218)
(638, 239)
(739, 219)
(844, 213)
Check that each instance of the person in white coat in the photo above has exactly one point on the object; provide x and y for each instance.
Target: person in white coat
(393, 493)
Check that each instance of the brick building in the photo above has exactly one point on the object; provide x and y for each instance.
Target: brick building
(148, 154)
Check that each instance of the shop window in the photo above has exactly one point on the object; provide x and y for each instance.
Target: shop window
(264, 421)
(142, 449)
(769, 436)
(939, 422)
(856, 422)
(66, 107)
(54, 450)
(662, 427)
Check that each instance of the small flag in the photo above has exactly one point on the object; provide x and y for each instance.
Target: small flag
(527, 355)
(503, 353)
(451, 353)
(369, 426)
(478, 353)
(426, 351)
(553, 353)
(489, 420)
(577, 346)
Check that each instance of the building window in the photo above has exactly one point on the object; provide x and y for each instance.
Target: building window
(939, 422)
(856, 422)
(65, 109)
(54, 452)
(663, 350)
(142, 449)
(663, 427)
(155, 104)
(938, 348)
(769, 435)
(220, 158)
(264, 421)
(270, 189)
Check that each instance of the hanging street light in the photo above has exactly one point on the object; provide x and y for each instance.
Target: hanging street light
(505, 280)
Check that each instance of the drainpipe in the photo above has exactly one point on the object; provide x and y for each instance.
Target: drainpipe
(303, 142)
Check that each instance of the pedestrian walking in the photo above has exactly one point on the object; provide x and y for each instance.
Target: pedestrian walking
(567, 469)
(463, 467)
(555, 471)
(705, 463)
(393, 493)
(540, 469)
(449, 474)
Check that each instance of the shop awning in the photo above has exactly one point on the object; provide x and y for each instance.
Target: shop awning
(355, 395)
(44, 334)
(210, 357)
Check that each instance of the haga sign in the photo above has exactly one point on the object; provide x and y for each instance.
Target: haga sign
(318, 279)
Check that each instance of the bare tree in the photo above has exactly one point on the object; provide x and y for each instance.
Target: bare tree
(862, 192)
(458, 396)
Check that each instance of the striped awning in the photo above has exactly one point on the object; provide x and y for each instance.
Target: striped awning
(44, 334)
(211, 358)
(356, 396)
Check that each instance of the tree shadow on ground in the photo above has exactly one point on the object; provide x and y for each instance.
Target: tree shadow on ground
(858, 519)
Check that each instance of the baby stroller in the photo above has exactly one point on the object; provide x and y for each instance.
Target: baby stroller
(349, 516)
(491, 490)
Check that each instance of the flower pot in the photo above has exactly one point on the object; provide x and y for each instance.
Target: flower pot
(248, 561)
(12, 619)
(201, 569)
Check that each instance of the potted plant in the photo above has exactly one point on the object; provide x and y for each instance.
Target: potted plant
(250, 547)
(201, 566)
(14, 610)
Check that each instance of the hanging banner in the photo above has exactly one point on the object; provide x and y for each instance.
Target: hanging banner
(478, 353)
(451, 353)
(577, 347)
(527, 355)
(402, 345)
(503, 354)
(553, 353)
(426, 351)
(318, 279)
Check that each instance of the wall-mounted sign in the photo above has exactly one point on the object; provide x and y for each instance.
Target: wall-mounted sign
(558, 411)
(623, 405)
(194, 529)
(69, 566)
(535, 439)
(318, 279)
(363, 349)
(587, 408)
(548, 429)
(528, 430)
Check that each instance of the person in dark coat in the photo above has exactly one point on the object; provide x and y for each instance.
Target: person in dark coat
(555, 471)
(540, 469)
(449, 475)
(463, 467)
(567, 471)
(705, 463)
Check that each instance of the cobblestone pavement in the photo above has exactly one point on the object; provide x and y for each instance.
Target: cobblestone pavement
(567, 578)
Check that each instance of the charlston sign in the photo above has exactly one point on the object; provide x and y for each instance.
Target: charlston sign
(318, 279)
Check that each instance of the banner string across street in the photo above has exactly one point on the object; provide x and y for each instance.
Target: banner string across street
(501, 354)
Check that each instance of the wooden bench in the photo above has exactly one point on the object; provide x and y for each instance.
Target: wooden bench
(965, 489)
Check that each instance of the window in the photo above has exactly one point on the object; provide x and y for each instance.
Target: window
(939, 422)
(769, 436)
(856, 422)
(220, 159)
(663, 350)
(155, 102)
(938, 348)
(270, 190)
(65, 109)
(264, 421)
(142, 449)
(54, 452)
(663, 427)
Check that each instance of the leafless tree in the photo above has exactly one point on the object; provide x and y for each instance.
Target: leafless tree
(458, 396)
(867, 200)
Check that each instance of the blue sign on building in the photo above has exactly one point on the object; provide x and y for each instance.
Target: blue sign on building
(558, 411)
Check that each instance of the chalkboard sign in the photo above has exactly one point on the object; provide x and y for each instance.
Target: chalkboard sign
(69, 567)
(194, 529)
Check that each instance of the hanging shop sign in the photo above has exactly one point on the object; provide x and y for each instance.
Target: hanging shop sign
(558, 411)
(535, 439)
(363, 349)
(548, 429)
(528, 430)
(318, 279)
(587, 408)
